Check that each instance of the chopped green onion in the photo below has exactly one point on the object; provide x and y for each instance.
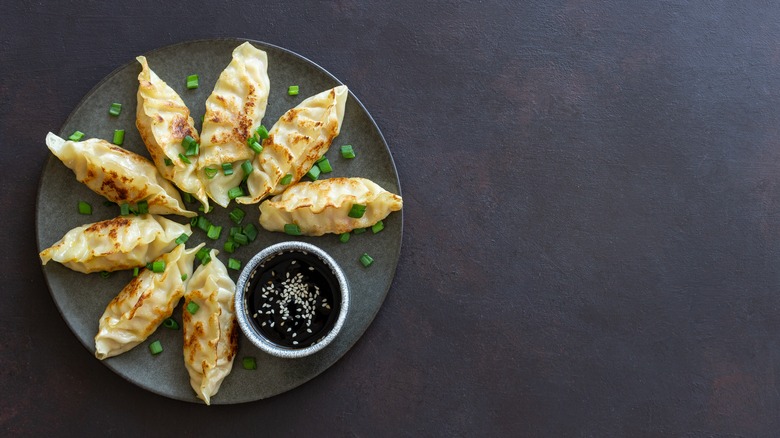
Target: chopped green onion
(246, 166)
(184, 277)
(182, 239)
(359, 230)
(313, 173)
(235, 192)
(325, 166)
(149, 266)
(287, 179)
(204, 255)
(234, 231)
(227, 168)
(210, 172)
(105, 274)
(254, 145)
(136, 271)
(204, 223)
(250, 232)
(115, 109)
(76, 136)
(168, 161)
(240, 238)
(124, 209)
(344, 237)
(234, 264)
(377, 227)
(249, 363)
(155, 347)
(119, 136)
(262, 132)
(171, 323)
(194, 221)
(237, 215)
(85, 208)
(192, 307)
(230, 246)
(187, 142)
(214, 232)
(292, 229)
(187, 197)
(347, 151)
(357, 211)
(193, 149)
(205, 210)
(143, 207)
(366, 260)
(192, 82)
(158, 267)
(292, 90)
(184, 159)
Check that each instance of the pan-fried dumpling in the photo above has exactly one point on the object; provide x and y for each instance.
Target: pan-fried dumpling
(144, 303)
(163, 120)
(118, 174)
(300, 137)
(123, 242)
(235, 107)
(211, 333)
(233, 112)
(323, 206)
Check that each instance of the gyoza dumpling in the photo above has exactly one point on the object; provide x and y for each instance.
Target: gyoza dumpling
(118, 174)
(323, 206)
(211, 333)
(124, 242)
(144, 303)
(300, 137)
(163, 120)
(235, 107)
(233, 112)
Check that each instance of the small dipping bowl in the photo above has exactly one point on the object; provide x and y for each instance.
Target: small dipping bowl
(291, 299)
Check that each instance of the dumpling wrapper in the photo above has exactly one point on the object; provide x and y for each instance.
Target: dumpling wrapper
(134, 314)
(233, 112)
(300, 137)
(323, 206)
(211, 334)
(124, 242)
(163, 120)
(117, 174)
(235, 107)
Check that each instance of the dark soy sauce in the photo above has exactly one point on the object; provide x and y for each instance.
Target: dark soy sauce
(291, 299)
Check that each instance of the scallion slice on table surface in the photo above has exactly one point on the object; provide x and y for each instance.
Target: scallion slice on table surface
(155, 347)
(85, 208)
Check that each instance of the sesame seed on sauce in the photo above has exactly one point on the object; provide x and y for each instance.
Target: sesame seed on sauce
(291, 299)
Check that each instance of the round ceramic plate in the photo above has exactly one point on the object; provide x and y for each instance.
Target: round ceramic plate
(82, 298)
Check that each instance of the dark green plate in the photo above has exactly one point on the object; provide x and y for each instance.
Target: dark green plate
(82, 298)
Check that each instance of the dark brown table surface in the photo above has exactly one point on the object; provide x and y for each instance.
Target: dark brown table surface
(592, 217)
